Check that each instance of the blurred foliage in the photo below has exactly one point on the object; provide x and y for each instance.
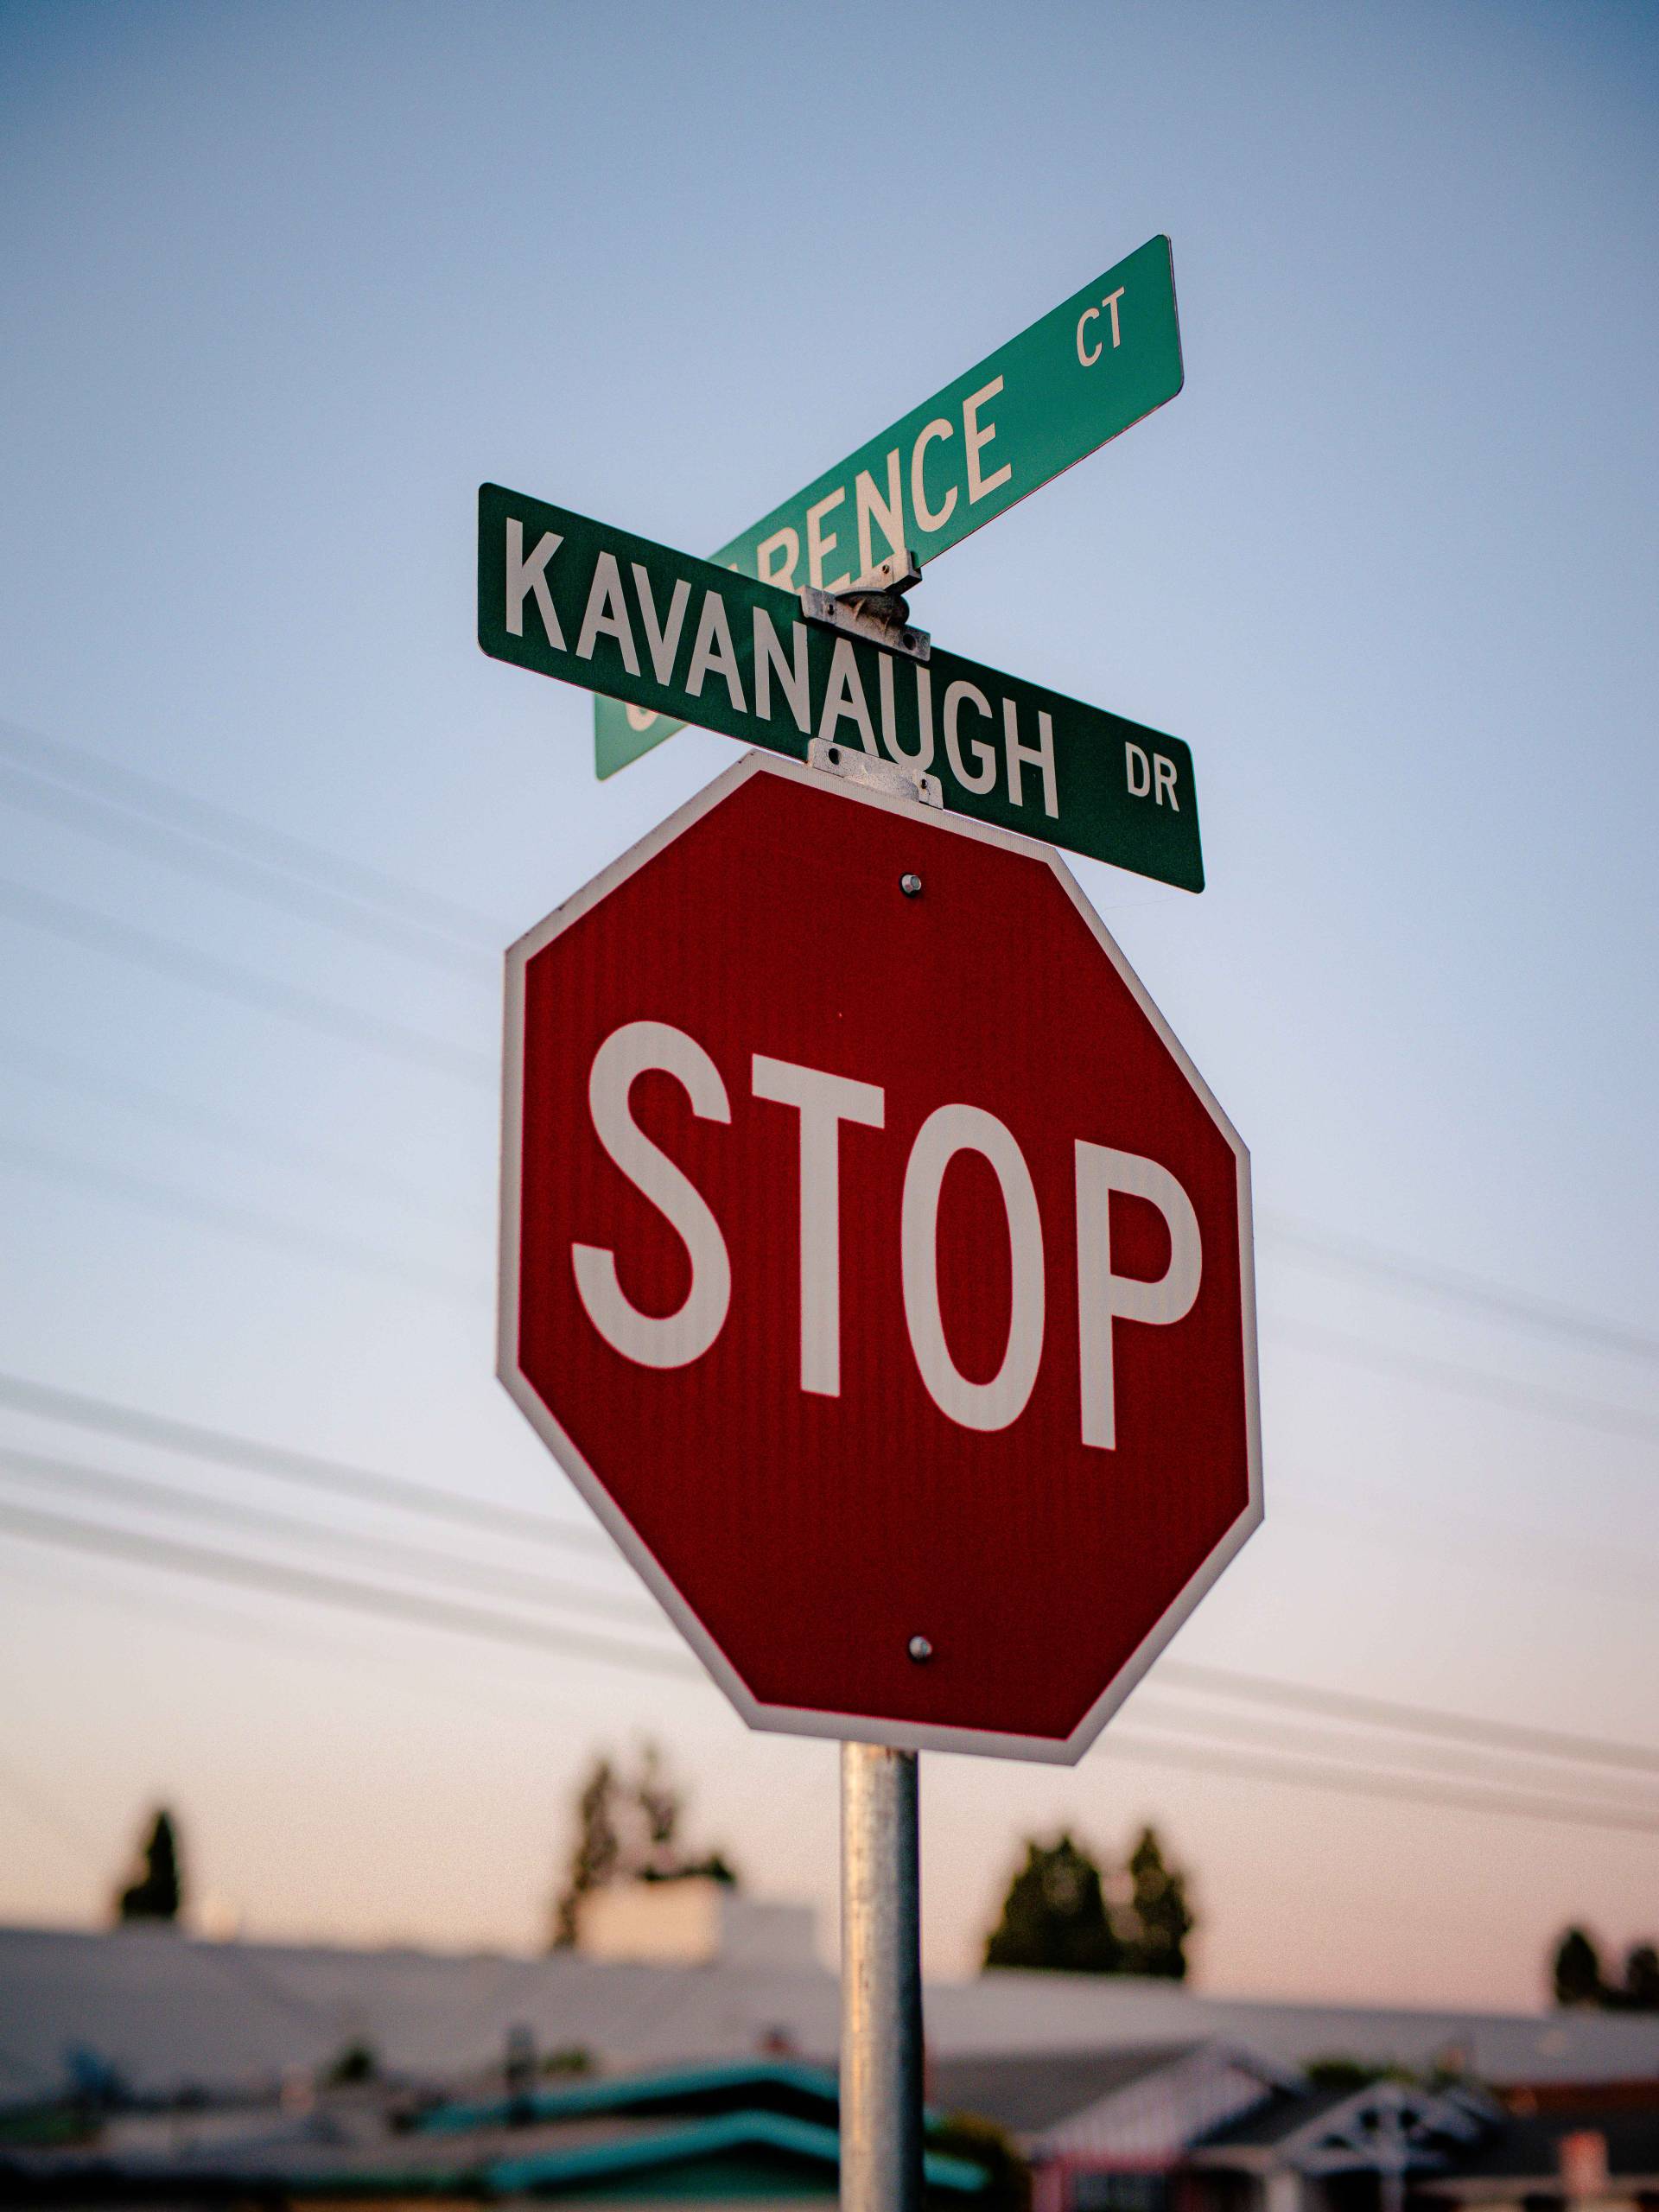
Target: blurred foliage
(1054, 1916)
(1057, 1914)
(628, 1829)
(961, 2135)
(356, 2062)
(1158, 1916)
(1580, 1981)
(156, 1891)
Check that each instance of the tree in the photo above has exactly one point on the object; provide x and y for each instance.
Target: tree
(1055, 1916)
(1578, 1970)
(1159, 1919)
(1640, 1990)
(156, 1892)
(660, 1807)
(598, 1848)
(627, 1829)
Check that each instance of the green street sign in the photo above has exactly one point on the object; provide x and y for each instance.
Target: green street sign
(569, 597)
(1085, 372)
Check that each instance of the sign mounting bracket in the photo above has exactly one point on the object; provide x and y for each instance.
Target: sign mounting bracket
(874, 608)
(853, 766)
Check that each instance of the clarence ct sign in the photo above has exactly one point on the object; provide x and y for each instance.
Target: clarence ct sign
(1077, 378)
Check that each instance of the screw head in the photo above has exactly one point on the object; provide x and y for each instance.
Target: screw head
(912, 887)
(919, 1650)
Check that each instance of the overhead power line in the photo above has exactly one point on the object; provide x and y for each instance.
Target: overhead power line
(1416, 1758)
(1457, 1286)
(148, 795)
(225, 1448)
(505, 1582)
(1420, 1719)
(336, 1589)
(46, 1063)
(184, 963)
(322, 1588)
(243, 1221)
(1353, 1782)
(1470, 1382)
(1629, 1577)
(184, 851)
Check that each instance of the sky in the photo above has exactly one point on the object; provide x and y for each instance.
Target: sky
(281, 287)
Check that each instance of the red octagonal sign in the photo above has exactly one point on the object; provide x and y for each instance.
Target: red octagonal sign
(879, 1266)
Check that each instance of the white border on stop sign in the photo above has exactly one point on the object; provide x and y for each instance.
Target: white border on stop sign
(788, 1720)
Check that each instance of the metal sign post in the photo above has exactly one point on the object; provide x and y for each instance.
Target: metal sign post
(880, 1982)
(851, 957)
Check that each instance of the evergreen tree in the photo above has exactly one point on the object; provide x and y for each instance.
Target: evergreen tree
(598, 1848)
(1055, 1916)
(1640, 1992)
(660, 1807)
(1578, 1970)
(158, 1891)
(1159, 1919)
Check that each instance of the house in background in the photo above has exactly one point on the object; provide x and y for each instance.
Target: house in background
(1215, 2127)
(746, 2136)
(1360, 2148)
(1106, 2131)
(1603, 2153)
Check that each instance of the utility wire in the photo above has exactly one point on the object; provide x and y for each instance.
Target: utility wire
(1425, 1720)
(225, 1447)
(182, 962)
(243, 1221)
(499, 1582)
(65, 1072)
(1595, 1414)
(386, 1552)
(1457, 1286)
(153, 799)
(296, 1237)
(194, 1559)
(180, 849)
(1432, 1759)
(163, 802)
(1470, 1382)
(125, 1490)
(1529, 1554)
(1357, 1783)
(312, 1584)
(339, 1478)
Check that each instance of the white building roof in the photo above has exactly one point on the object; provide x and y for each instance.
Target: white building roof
(166, 2010)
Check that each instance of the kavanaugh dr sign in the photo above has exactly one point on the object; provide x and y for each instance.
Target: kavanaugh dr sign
(1079, 376)
(668, 634)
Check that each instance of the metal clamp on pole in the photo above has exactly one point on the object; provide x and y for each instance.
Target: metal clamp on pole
(881, 1983)
(874, 608)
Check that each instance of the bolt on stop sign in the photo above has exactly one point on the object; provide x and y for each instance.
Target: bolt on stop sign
(878, 1265)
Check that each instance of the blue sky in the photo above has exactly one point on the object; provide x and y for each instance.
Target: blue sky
(282, 286)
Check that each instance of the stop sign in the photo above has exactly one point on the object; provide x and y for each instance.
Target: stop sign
(878, 1265)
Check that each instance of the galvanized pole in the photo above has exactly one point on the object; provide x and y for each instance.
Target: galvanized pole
(881, 1983)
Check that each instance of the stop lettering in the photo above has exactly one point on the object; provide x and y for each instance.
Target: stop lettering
(878, 1266)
